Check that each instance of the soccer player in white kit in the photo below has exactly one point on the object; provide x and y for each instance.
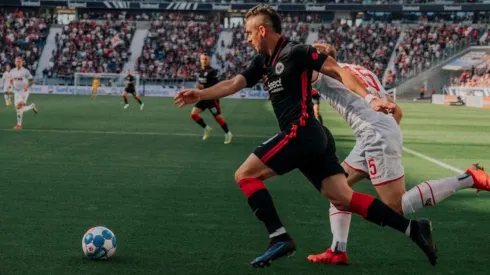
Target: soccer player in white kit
(377, 155)
(7, 85)
(22, 80)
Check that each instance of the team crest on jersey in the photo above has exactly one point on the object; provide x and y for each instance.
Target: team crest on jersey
(279, 68)
(206, 74)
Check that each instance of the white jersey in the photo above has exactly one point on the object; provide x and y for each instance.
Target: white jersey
(20, 78)
(6, 81)
(355, 111)
(368, 78)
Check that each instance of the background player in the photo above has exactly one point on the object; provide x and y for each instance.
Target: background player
(377, 155)
(7, 85)
(316, 105)
(131, 89)
(208, 77)
(22, 80)
(302, 143)
(95, 87)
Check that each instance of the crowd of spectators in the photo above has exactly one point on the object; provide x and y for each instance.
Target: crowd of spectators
(22, 33)
(476, 77)
(174, 44)
(368, 45)
(90, 47)
(424, 44)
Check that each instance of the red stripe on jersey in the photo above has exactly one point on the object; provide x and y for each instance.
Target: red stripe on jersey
(283, 41)
(304, 96)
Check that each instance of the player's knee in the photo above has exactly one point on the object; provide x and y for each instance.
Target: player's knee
(195, 116)
(19, 106)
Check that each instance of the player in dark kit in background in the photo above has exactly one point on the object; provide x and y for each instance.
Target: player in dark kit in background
(316, 105)
(302, 143)
(207, 78)
(130, 89)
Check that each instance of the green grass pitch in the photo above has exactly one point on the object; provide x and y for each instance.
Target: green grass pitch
(171, 200)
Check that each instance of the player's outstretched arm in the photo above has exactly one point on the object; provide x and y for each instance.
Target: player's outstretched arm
(332, 69)
(222, 89)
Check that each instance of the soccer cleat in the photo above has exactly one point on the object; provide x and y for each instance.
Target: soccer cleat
(329, 257)
(207, 132)
(126, 106)
(481, 180)
(228, 137)
(34, 109)
(274, 251)
(421, 234)
(17, 127)
(142, 106)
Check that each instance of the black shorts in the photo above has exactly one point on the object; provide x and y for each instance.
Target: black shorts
(316, 99)
(130, 90)
(311, 149)
(212, 105)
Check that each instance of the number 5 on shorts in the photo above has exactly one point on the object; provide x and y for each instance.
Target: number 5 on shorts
(372, 167)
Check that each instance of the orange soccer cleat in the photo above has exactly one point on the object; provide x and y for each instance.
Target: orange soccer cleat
(329, 257)
(17, 127)
(481, 180)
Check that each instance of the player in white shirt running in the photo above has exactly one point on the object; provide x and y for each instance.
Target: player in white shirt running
(377, 155)
(22, 80)
(7, 85)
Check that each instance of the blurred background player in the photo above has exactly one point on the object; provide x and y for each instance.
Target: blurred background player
(22, 80)
(130, 89)
(95, 87)
(208, 77)
(315, 96)
(7, 85)
(377, 156)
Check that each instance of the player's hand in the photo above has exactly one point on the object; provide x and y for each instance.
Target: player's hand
(26, 88)
(384, 106)
(186, 97)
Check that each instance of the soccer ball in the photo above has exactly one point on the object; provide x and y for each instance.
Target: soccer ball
(99, 243)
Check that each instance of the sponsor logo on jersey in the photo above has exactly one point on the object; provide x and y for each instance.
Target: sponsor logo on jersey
(275, 86)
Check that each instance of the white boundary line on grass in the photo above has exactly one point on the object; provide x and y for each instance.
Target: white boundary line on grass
(410, 151)
(435, 161)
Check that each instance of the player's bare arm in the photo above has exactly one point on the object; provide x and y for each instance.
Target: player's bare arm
(222, 89)
(31, 82)
(397, 112)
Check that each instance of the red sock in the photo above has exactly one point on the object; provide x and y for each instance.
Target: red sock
(360, 204)
(250, 185)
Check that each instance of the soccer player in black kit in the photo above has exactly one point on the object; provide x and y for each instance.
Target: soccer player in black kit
(130, 89)
(208, 77)
(302, 143)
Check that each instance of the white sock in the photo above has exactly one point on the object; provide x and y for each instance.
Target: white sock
(6, 97)
(278, 232)
(433, 191)
(340, 225)
(20, 114)
(27, 108)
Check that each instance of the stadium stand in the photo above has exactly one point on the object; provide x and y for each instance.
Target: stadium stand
(174, 44)
(22, 33)
(425, 43)
(91, 47)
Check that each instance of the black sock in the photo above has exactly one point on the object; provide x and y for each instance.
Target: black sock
(263, 208)
(381, 214)
(125, 100)
(225, 128)
(320, 119)
(138, 99)
(201, 122)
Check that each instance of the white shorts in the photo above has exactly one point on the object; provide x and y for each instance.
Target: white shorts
(20, 97)
(378, 152)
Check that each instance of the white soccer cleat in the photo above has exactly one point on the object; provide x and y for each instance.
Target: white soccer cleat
(142, 106)
(126, 106)
(207, 132)
(228, 137)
